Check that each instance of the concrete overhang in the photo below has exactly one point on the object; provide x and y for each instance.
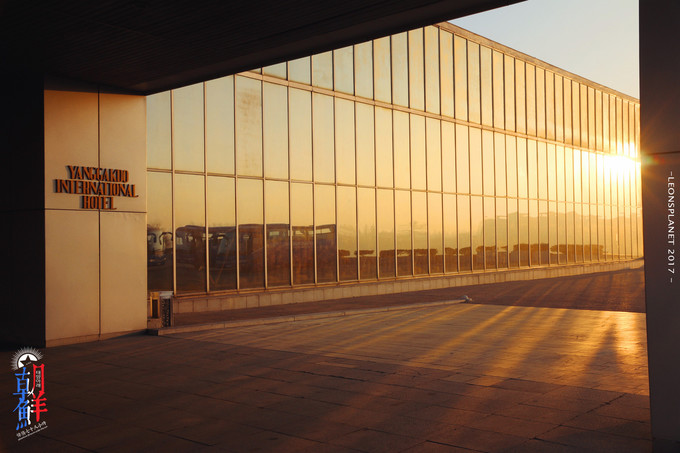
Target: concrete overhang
(146, 46)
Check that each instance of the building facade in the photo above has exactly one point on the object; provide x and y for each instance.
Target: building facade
(429, 153)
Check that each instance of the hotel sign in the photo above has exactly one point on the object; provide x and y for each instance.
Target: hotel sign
(96, 186)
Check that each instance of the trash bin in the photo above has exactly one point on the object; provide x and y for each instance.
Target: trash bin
(165, 308)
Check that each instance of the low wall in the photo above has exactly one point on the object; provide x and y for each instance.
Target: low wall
(218, 302)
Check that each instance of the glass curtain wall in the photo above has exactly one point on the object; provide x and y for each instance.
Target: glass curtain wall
(428, 152)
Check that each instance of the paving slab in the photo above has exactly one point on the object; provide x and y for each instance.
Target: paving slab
(453, 377)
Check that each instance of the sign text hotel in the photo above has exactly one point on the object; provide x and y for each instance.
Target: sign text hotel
(97, 186)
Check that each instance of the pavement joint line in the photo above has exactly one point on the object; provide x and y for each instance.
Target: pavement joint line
(293, 318)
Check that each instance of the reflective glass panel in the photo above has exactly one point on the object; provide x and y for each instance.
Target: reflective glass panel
(300, 130)
(594, 248)
(219, 125)
(190, 233)
(499, 151)
(531, 98)
(400, 69)
(534, 244)
(347, 232)
(462, 159)
(569, 174)
(544, 244)
(476, 176)
(386, 233)
(278, 233)
(363, 69)
(600, 232)
(383, 147)
(585, 215)
(187, 127)
(367, 233)
(419, 222)
(501, 230)
(542, 171)
(418, 158)
(571, 238)
(381, 69)
(323, 138)
(434, 212)
(302, 223)
(605, 122)
(522, 175)
(344, 141)
(477, 232)
(322, 70)
(540, 102)
(460, 76)
(552, 178)
(490, 224)
(434, 154)
(520, 97)
(550, 105)
(488, 163)
(275, 70)
(448, 156)
(446, 72)
(464, 251)
(593, 177)
(450, 234)
(402, 208)
(509, 93)
(608, 232)
(159, 231)
(562, 233)
(416, 76)
(584, 116)
(523, 233)
(275, 130)
(402, 154)
(511, 168)
(250, 233)
(474, 100)
(432, 96)
(561, 189)
(532, 166)
(222, 233)
(158, 131)
(324, 218)
(343, 69)
(552, 231)
(612, 124)
(498, 93)
(578, 232)
(559, 109)
(567, 110)
(299, 70)
(585, 177)
(575, 113)
(248, 126)
(591, 118)
(486, 83)
(625, 128)
(577, 175)
(366, 145)
(513, 233)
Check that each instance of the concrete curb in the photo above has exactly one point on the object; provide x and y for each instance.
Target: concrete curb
(301, 317)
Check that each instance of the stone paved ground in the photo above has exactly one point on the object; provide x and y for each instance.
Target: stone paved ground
(449, 378)
(614, 291)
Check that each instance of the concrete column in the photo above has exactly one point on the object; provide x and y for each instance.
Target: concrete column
(95, 252)
(660, 143)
